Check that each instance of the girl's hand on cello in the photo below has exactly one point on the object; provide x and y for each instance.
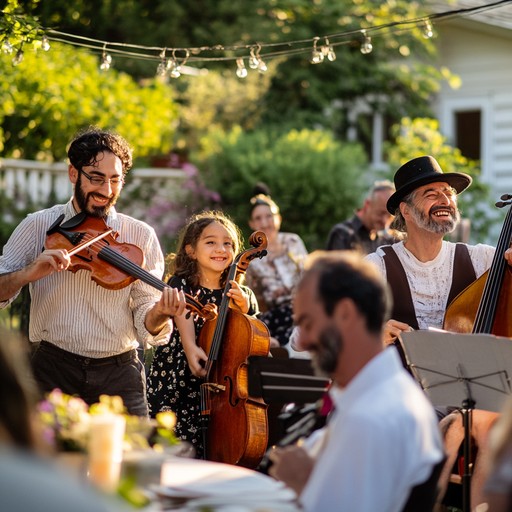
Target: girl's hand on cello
(196, 358)
(238, 297)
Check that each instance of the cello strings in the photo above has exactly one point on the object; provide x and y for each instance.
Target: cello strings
(488, 303)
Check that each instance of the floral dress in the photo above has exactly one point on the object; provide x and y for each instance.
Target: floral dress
(170, 383)
(273, 279)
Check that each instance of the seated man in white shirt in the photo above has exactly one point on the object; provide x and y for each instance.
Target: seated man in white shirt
(382, 439)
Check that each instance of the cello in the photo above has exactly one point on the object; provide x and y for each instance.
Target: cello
(485, 305)
(234, 424)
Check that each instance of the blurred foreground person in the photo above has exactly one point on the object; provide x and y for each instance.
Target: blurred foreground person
(28, 481)
(382, 439)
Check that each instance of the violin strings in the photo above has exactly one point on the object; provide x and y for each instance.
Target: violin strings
(125, 264)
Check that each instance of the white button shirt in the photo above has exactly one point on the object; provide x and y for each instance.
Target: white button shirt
(70, 310)
(381, 441)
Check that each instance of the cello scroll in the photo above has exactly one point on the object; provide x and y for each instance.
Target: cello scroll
(258, 240)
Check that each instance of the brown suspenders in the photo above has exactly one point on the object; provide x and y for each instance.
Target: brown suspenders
(403, 307)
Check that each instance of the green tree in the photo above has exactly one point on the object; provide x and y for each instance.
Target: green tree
(315, 179)
(300, 94)
(51, 95)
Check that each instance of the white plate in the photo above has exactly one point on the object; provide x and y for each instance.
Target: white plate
(193, 478)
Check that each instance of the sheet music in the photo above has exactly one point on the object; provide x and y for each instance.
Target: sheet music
(453, 367)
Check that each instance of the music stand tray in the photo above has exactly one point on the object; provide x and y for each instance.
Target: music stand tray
(453, 367)
(284, 380)
(467, 370)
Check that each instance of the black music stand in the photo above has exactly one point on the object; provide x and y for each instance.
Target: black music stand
(284, 380)
(461, 369)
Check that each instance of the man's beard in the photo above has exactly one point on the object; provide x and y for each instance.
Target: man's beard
(326, 354)
(82, 200)
(427, 223)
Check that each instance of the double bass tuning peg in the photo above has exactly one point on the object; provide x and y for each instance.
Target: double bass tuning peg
(505, 201)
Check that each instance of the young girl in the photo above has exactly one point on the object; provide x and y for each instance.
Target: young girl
(208, 244)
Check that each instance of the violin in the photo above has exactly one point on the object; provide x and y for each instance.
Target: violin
(234, 424)
(92, 246)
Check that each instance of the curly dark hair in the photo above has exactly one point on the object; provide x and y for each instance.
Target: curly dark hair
(181, 264)
(87, 144)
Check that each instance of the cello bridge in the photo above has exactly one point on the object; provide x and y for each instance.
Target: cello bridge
(214, 387)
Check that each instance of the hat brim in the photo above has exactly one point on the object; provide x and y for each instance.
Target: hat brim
(458, 180)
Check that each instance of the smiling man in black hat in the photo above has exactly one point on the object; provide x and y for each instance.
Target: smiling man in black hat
(424, 271)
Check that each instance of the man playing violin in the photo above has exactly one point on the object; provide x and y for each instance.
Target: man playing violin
(87, 335)
(382, 440)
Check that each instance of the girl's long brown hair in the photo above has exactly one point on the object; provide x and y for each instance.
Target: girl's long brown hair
(180, 264)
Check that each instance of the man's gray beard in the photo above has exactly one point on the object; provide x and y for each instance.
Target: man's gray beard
(325, 358)
(424, 221)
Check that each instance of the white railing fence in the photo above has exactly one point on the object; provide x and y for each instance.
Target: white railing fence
(32, 184)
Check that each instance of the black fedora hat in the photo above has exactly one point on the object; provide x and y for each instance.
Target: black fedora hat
(420, 171)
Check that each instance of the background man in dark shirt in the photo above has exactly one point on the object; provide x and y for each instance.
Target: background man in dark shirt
(366, 230)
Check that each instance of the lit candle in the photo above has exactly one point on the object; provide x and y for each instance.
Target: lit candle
(106, 450)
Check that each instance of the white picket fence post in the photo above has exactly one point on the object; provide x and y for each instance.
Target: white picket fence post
(30, 183)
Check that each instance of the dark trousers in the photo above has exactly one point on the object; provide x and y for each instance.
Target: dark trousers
(88, 378)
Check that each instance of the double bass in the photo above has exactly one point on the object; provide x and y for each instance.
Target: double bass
(485, 306)
(234, 424)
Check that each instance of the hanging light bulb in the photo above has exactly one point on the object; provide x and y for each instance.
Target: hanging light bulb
(254, 59)
(317, 56)
(174, 68)
(106, 60)
(163, 65)
(176, 65)
(18, 58)
(45, 43)
(328, 51)
(262, 67)
(366, 45)
(428, 31)
(241, 70)
(161, 69)
(7, 46)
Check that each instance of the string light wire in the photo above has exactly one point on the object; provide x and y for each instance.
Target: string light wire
(231, 53)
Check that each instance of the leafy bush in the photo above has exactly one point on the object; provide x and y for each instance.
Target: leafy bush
(316, 180)
(166, 203)
(51, 95)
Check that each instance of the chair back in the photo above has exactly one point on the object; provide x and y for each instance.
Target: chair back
(423, 496)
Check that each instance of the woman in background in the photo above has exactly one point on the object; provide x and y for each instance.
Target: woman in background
(274, 277)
